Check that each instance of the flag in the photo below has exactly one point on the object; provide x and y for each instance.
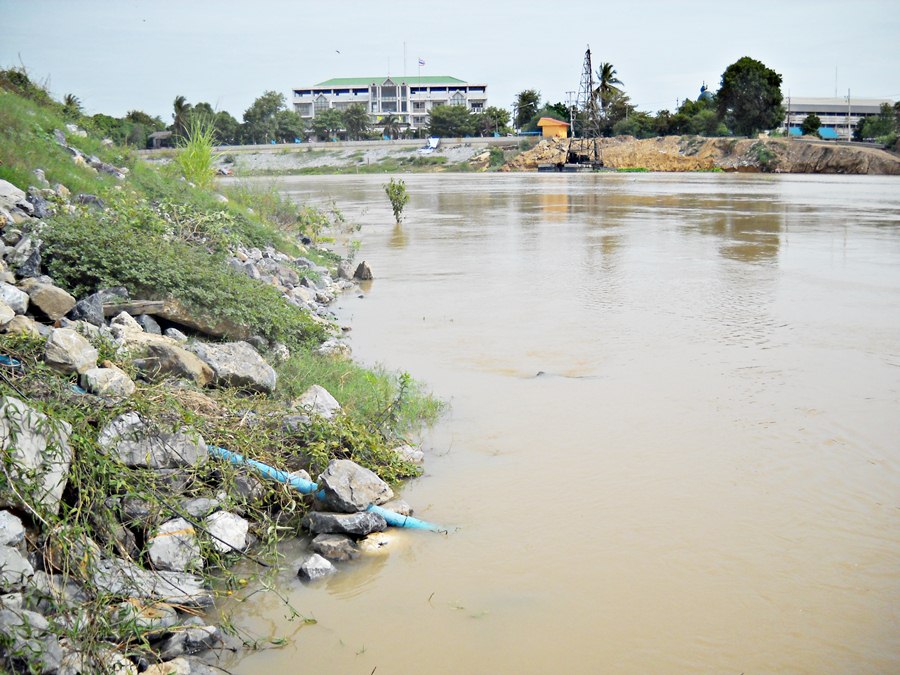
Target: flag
(421, 62)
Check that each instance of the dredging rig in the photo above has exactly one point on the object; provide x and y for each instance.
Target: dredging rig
(583, 152)
(587, 121)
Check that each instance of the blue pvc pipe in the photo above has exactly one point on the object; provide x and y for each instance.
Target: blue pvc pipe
(308, 487)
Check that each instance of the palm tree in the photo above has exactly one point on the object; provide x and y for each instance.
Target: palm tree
(71, 105)
(606, 89)
(180, 116)
(390, 126)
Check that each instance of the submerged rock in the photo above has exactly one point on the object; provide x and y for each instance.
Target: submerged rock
(357, 524)
(315, 567)
(335, 547)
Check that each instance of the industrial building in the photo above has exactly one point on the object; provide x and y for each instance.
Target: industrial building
(839, 116)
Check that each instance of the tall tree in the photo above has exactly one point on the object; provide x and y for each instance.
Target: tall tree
(750, 97)
(451, 121)
(181, 111)
(606, 89)
(492, 120)
(527, 104)
(356, 121)
(326, 124)
(289, 126)
(140, 117)
(810, 125)
(881, 125)
(260, 124)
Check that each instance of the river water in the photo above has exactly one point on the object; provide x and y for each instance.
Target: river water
(704, 478)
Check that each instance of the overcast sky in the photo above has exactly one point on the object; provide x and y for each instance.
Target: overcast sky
(119, 55)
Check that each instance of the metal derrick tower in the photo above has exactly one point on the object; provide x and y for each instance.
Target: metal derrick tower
(588, 111)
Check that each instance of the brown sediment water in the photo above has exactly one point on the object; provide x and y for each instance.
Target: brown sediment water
(704, 478)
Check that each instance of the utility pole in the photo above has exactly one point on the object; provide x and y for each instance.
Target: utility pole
(571, 104)
(849, 133)
(787, 127)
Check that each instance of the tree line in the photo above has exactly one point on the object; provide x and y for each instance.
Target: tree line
(748, 100)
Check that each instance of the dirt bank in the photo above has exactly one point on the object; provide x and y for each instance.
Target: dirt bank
(694, 153)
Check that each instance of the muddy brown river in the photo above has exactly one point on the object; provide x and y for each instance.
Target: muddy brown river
(704, 478)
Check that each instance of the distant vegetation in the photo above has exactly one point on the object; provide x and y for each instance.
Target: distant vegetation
(748, 101)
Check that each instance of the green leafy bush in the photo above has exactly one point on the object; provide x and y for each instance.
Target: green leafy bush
(129, 245)
(398, 196)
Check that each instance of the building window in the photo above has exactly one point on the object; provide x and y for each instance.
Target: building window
(457, 99)
(321, 104)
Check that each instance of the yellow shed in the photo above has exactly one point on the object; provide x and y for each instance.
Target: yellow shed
(552, 128)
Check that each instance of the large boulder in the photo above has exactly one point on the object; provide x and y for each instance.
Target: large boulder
(89, 309)
(109, 382)
(29, 642)
(125, 579)
(12, 532)
(17, 299)
(11, 196)
(15, 570)
(163, 357)
(356, 524)
(145, 617)
(174, 547)
(350, 487)
(228, 531)
(53, 301)
(317, 401)
(69, 352)
(37, 447)
(7, 314)
(22, 325)
(237, 364)
(188, 640)
(139, 444)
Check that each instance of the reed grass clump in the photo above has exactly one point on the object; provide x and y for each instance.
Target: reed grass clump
(196, 158)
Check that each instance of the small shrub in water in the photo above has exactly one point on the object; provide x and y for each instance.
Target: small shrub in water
(397, 194)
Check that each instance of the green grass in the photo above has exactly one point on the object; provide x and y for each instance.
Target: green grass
(195, 157)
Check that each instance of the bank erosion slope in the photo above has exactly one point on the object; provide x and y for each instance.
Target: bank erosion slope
(695, 153)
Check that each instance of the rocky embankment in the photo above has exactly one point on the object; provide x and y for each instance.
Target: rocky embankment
(694, 153)
(130, 595)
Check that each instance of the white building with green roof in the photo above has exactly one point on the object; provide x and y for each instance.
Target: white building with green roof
(408, 98)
